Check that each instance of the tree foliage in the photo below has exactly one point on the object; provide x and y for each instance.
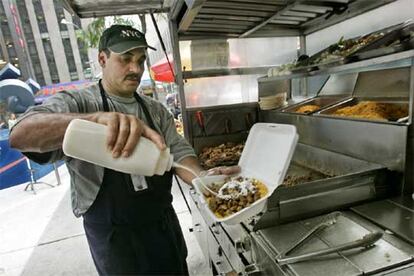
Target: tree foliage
(93, 32)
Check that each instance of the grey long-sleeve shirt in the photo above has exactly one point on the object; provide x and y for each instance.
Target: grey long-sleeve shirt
(86, 178)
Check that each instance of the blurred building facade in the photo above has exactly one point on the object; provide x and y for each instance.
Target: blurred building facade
(33, 39)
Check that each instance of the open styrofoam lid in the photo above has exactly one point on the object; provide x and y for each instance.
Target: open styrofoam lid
(267, 153)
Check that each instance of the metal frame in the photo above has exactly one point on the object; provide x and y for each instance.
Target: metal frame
(178, 73)
(99, 8)
(225, 72)
(409, 177)
(212, 18)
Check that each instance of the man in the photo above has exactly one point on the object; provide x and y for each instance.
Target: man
(129, 223)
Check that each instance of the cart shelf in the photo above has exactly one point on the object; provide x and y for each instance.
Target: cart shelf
(402, 59)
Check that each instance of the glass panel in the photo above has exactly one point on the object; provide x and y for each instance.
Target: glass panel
(221, 90)
(233, 53)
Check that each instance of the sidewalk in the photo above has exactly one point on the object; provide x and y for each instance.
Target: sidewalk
(39, 235)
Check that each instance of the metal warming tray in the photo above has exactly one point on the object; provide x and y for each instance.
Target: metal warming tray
(322, 101)
(399, 102)
(386, 254)
(321, 181)
(397, 40)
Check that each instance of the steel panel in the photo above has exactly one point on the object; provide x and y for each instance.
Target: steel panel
(229, 17)
(369, 260)
(282, 22)
(220, 21)
(214, 26)
(234, 12)
(291, 18)
(301, 14)
(282, 237)
(391, 216)
(312, 8)
(380, 257)
(355, 8)
(380, 143)
(240, 6)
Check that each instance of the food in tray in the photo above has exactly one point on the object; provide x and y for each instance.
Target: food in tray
(344, 48)
(292, 180)
(284, 69)
(308, 108)
(235, 194)
(373, 111)
(226, 154)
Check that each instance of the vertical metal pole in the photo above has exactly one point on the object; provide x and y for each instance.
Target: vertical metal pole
(302, 51)
(408, 188)
(57, 173)
(179, 75)
(144, 30)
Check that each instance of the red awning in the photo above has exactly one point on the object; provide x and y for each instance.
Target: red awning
(161, 71)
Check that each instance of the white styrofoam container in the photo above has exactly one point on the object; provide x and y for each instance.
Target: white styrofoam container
(266, 157)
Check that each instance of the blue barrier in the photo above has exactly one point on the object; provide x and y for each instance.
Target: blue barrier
(13, 165)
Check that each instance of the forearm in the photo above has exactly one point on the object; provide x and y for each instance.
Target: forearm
(43, 132)
(192, 163)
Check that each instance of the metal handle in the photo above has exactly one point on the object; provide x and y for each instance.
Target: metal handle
(403, 119)
(200, 120)
(366, 241)
(252, 269)
(197, 228)
(248, 121)
(243, 245)
(328, 221)
(215, 229)
(227, 126)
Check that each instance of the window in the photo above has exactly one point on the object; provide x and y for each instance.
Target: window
(69, 55)
(41, 22)
(51, 60)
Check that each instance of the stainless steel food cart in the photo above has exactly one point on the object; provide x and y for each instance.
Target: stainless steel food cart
(356, 175)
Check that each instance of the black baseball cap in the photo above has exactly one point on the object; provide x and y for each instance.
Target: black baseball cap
(122, 38)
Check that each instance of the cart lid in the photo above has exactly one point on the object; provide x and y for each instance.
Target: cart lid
(267, 153)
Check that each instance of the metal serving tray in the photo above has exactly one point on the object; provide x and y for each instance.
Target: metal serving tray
(385, 35)
(328, 112)
(322, 101)
(336, 181)
(397, 40)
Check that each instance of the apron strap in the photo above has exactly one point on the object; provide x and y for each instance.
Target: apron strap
(146, 112)
(103, 97)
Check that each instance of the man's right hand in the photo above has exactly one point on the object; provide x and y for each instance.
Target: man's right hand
(125, 131)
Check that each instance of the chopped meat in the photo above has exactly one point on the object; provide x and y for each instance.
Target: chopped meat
(308, 108)
(223, 155)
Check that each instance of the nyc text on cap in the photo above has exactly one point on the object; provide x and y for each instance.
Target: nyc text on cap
(122, 38)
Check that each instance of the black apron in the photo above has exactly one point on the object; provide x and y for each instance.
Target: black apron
(135, 232)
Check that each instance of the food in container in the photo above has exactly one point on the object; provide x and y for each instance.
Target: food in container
(234, 194)
(373, 111)
(265, 158)
(308, 108)
(225, 154)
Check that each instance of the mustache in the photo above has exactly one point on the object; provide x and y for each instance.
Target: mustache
(133, 77)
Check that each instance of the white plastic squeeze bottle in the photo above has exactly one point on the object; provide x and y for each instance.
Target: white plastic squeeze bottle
(86, 141)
